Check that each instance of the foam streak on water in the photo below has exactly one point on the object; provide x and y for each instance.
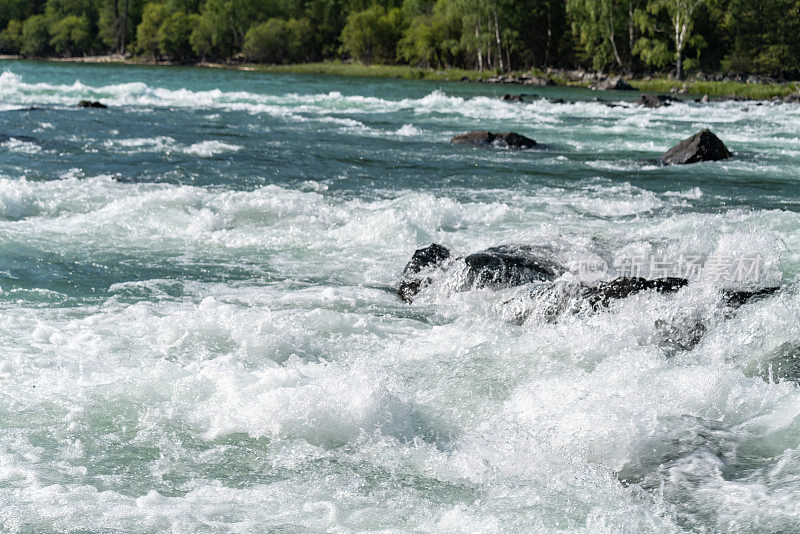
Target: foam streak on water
(198, 329)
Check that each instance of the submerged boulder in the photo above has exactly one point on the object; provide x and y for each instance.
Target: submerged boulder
(702, 146)
(91, 104)
(485, 138)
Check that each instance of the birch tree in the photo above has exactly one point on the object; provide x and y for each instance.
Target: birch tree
(681, 14)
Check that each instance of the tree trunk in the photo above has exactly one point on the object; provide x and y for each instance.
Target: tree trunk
(630, 36)
(480, 48)
(489, 45)
(124, 28)
(499, 42)
(549, 35)
(612, 37)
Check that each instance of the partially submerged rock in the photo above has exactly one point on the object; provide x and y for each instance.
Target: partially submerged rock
(702, 146)
(656, 101)
(423, 261)
(91, 104)
(613, 84)
(607, 103)
(551, 296)
(496, 267)
(509, 266)
(519, 98)
(485, 138)
(604, 292)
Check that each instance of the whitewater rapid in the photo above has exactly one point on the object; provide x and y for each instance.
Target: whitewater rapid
(199, 329)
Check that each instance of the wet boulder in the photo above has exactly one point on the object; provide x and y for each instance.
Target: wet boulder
(91, 104)
(620, 288)
(702, 146)
(495, 267)
(416, 273)
(426, 258)
(509, 266)
(510, 140)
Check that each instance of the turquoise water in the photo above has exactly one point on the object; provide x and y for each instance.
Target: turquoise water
(198, 329)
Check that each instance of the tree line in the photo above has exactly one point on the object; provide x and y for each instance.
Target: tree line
(634, 36)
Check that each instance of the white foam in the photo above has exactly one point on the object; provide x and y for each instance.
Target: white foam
(211, 148)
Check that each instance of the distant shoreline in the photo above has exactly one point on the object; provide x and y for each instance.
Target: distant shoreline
(715, 89)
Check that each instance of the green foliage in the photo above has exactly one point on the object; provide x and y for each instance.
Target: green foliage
(117, 22)
(147, 36)
(70, 35)
(430, 41)
(764, 36)
(35, 36)
(598, 25)
(202, 37)
(13, 10)
(278, 41)
(174, 33)
(372, 34)
(11, 38)
(746, 36)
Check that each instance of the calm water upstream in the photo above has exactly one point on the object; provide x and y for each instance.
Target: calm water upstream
(198, 329)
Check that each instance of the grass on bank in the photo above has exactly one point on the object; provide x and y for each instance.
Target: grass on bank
(375, 71)
(662, 85)
(743, 90)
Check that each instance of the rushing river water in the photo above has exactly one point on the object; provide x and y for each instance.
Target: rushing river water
(198, 328)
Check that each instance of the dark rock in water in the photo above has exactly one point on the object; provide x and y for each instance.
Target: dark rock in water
(656, 101)
(424, 260)
(91, 104)
(509, 266)
(736, 299)
(504, 140)
(607, 104)
(514, 140)
(613, 84)
(478, 137)
(602, 293)
(702, 146)
(557, 101)
(519, 98)
(409, 288)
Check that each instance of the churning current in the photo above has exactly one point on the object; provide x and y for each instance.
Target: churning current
(200, 329)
